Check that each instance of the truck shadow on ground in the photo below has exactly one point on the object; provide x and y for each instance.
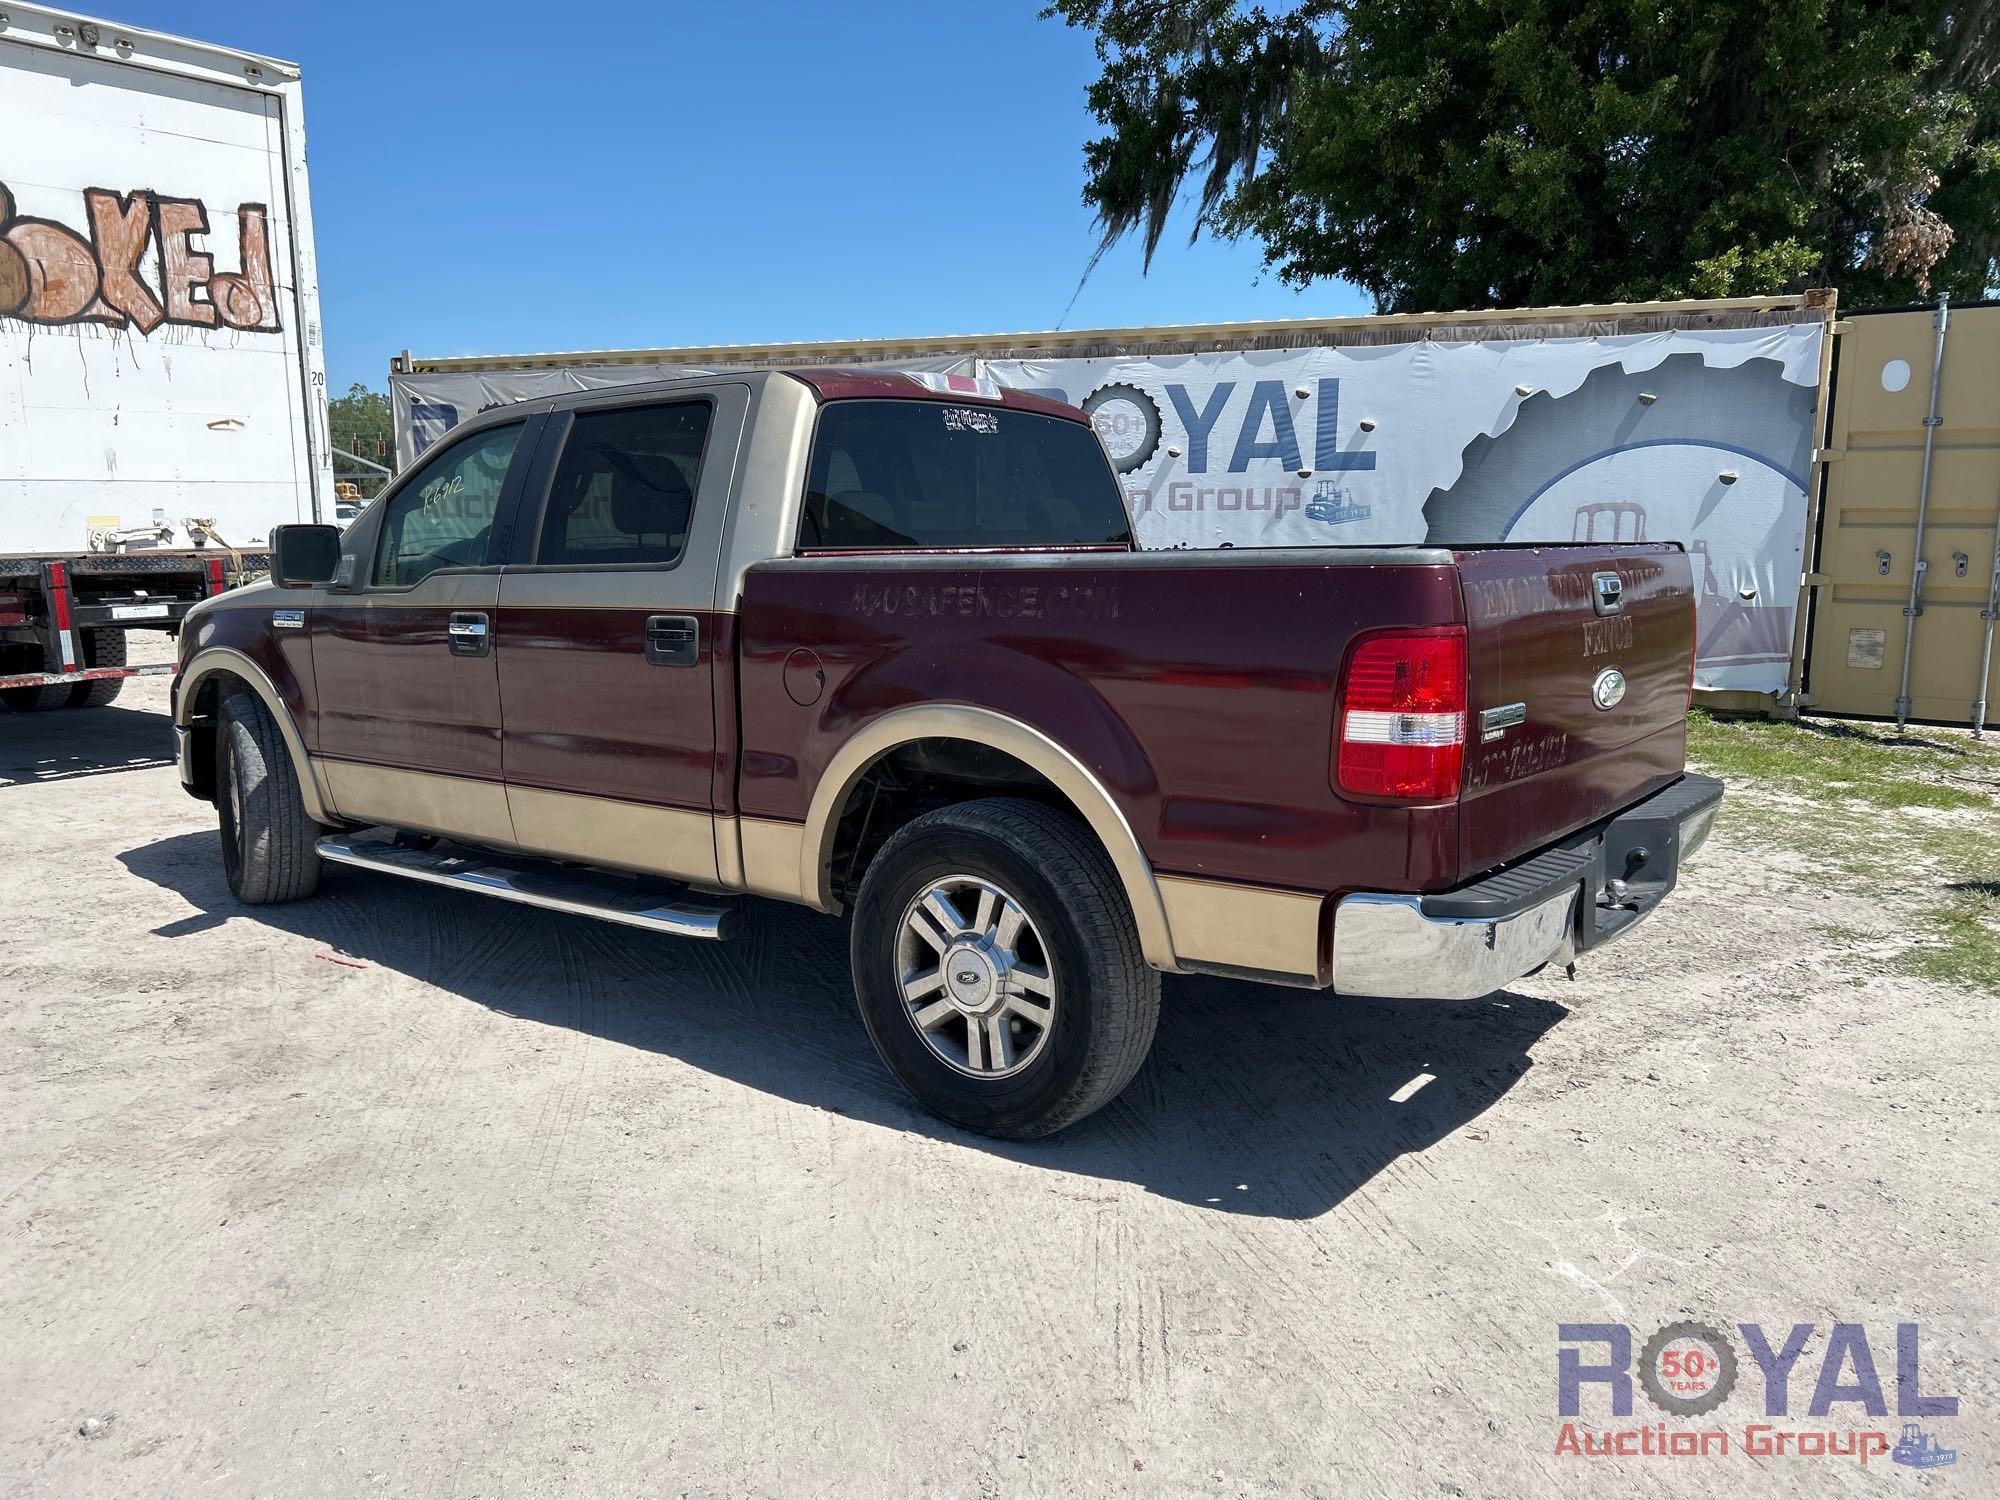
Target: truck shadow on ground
(69, 743)
(1262, 1101)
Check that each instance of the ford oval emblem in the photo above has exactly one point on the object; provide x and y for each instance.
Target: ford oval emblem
(1609, 689)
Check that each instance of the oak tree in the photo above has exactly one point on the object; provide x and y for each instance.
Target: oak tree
(1467, 153)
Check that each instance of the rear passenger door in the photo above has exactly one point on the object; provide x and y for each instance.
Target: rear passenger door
(609, 638)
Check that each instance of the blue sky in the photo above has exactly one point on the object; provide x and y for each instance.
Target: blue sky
(502, 178)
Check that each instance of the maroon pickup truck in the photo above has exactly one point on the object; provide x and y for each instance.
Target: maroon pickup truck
(882, 643)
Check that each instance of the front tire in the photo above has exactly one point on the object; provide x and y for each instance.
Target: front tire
(268, 839)
(998, 968)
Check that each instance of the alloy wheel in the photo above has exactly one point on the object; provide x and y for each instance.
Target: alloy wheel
(977, 981)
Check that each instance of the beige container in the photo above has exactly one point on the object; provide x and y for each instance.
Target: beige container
(1869, 537)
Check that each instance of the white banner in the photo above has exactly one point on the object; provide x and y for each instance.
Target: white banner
(1698, 436)
(1702, 436)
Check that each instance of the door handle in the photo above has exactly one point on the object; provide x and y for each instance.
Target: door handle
(468, 634)
(673, 640)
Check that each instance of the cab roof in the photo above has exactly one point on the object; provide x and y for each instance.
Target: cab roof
(832, 384)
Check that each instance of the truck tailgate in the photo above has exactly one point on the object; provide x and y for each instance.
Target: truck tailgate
(1543, 757)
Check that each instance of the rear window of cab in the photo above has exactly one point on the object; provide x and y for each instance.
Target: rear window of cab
(893, 475)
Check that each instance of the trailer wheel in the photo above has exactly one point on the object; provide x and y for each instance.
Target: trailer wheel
(101, 648)
(29, 700)
(998, 968)
(268, 839)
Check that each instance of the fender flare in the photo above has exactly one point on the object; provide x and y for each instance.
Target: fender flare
(982, 726)
(212, 659)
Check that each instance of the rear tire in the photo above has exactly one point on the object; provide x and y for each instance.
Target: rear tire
(101, 648)
(998, 968)
(268, 839)
(29, 700)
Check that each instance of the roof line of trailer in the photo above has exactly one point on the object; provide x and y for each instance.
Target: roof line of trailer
(1269, 333)
(67, 31)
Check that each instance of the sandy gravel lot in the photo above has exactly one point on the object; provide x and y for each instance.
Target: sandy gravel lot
(399, 1192)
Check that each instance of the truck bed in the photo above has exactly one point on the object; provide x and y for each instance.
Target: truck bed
(1201, 689)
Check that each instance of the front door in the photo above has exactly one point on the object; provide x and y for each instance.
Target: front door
(608, 641)
(403, 662)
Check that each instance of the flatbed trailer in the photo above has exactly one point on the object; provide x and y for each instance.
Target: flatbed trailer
(63, 619)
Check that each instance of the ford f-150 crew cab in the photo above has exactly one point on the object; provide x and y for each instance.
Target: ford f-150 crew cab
(881, 643)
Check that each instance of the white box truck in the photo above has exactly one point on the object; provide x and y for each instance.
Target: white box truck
(162, 388)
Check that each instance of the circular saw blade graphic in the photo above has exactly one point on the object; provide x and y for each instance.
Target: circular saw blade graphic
(1749, 410)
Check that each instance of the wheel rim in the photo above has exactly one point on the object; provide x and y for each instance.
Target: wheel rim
(978, 983)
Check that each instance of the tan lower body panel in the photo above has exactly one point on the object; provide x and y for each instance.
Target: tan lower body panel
(1244, 926)
(461, 806)
(1212, 922)
(771, 853)
(673, 841)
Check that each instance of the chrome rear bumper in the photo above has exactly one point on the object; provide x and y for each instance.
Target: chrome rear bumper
(1386, 945)
(1459, 945)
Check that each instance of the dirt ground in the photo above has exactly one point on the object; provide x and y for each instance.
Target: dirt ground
(402, 1192)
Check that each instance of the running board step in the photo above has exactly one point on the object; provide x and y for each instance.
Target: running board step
(533, 882)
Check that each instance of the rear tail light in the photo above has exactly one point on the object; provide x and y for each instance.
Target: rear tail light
(1401, 730)
(215, 578)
